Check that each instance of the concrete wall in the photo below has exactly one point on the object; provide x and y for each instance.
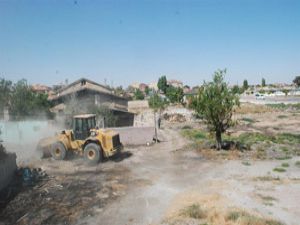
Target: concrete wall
(137, 105)
(8, 167)
(135, 135)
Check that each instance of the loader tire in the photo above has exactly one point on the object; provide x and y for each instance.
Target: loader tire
(58, 151)
(93, 153)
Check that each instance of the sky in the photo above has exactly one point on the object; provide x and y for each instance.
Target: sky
(120, 42)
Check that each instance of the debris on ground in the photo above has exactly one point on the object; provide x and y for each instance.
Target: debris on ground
(58, 199)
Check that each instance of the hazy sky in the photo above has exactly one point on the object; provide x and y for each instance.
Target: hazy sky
(125, 41)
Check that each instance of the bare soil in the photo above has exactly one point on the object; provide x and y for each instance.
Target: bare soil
(152, 185)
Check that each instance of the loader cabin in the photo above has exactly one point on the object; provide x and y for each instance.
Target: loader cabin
(82, 124)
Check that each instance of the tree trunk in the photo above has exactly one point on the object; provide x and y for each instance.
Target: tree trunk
(219, 139)
(155, 125)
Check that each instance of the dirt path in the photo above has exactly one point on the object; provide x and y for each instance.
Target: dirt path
(152, 188)
(164, 180)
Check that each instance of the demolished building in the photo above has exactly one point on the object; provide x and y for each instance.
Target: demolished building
(85, 94)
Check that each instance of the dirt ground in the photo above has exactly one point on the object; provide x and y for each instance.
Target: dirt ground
(152, 185)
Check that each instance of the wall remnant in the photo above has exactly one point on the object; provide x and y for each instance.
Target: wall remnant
(8, 166)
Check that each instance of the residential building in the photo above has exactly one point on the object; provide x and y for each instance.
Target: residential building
(85, 93)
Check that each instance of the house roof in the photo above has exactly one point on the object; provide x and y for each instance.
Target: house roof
(82, 84)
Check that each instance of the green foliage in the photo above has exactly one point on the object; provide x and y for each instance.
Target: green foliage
(286, 157)
(253, 137)
(285, 165)
(215, 103)
(174, 94)
(279, 170)
(250, 138)
(25, 103)
(138, 95)
(119, 91)
(245, 85)
(288, 138)
(297, 163)
(186, 127)
(246, 163)
(194, 134)
(283, 106)
(22, 102)
(263, 82)
(156, 102)
(297, 81)
(147, 90)
(162, 84)
(237, 90)
(282, 116)
(5, 92)
(285, 92)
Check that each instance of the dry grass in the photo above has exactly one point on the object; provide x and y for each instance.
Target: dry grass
(253, 108)
(267, 178)
(194, 211)
(244, 218)
(214, 216)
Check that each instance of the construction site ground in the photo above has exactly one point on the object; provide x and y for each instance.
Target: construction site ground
(154, 184)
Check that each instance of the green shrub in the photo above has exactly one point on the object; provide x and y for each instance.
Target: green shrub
(279, 169)
(186, 127)
(246, 163)
(282, 116)
(283, 157)
(285, 165)
(194, 134)
(287, 137)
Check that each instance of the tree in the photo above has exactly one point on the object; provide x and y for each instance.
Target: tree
(138, 95)
(21, 102)
(214, 103)
(5, 93)
(105, 114)
(297, 81)
(245, 85)
(147, 90)
(174, 94)
(25, 103)
(263, 82)
(119, 91)
(162, 84)
(236, 89)
(157, 104)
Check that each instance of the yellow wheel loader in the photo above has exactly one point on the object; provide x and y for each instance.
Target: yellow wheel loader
(84, 139)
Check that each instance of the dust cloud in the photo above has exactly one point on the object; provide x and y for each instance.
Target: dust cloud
(22, 137)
